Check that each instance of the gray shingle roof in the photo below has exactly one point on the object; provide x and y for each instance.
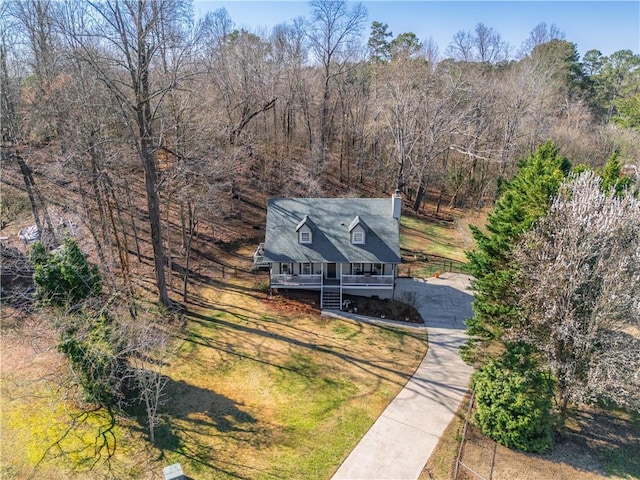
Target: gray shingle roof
(331, 241)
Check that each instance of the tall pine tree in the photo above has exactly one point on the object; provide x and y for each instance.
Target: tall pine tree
(523, 200)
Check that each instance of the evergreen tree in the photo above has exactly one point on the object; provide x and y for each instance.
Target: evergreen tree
(628, 112)
(64, 277)
(379, 48)
(523, 201)
(405, 45)
(612, 181)
(92, 346)
(514, 398)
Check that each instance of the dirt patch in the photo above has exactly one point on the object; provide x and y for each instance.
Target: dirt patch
(294, 302)
(301, 301)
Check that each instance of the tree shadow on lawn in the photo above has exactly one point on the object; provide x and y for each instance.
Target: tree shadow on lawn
(285, 322)
(191, 414)
(383, 365)
(611, 437)
(596, 444)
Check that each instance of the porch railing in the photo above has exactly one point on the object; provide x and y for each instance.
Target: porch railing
(286, 279)
(367, 280)
(290, 280)
(258, 256)
(259, 260)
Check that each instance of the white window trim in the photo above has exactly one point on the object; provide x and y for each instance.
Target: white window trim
(354, 238)
(305, 233)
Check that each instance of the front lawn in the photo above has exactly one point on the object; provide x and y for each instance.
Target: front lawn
(256, 389)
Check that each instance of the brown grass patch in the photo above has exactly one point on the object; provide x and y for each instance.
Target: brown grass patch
(597, 445)
(258, 387)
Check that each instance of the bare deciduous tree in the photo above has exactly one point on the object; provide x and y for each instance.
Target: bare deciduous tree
(147, 352)
(484, 45)
(541, 33)
(333, 31)
(133, 34)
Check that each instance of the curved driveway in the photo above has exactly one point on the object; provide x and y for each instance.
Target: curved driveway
(401, 441)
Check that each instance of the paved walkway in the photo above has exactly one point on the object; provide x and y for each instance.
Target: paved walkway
(401, 441)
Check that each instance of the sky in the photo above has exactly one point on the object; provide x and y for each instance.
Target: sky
(607, 26)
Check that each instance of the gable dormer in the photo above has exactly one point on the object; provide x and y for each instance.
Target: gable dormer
(357, 231)
(305, 230)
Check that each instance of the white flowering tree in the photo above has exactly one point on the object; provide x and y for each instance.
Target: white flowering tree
(580, 294)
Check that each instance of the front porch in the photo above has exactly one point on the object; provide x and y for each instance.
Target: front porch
(334, 279)
(317, 281)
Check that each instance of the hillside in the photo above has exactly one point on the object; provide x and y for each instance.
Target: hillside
(240, 369)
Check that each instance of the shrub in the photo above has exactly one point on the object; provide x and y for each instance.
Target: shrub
(262, 285)
(89, 344)
(64, 277)
(513, 402)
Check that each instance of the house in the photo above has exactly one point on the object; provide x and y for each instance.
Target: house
(334, 246)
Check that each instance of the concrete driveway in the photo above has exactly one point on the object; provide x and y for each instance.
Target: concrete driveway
(401, 441)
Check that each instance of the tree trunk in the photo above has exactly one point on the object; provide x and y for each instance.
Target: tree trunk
(419, 197)
(439, 199)
(324, 129)
(192, 231)
(28, 182)
(149, 161)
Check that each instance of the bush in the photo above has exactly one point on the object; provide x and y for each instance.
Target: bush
(513, 402)
(90, 345)
(262, 285)
(64, 277)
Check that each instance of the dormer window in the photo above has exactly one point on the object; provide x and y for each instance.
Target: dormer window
(304, 229)
(357, 231)
(305, 236)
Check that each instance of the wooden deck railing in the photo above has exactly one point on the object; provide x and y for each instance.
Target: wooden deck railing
(289, 280)
(285, 279)
(367, 280)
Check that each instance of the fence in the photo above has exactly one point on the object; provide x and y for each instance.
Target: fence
(463, 469)
(428, 266)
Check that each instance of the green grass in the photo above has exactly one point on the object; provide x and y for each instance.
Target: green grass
(621, 456)
(430, 247)
(253, 392)
(434, 238)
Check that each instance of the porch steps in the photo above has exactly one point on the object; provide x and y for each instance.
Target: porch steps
(331, 299)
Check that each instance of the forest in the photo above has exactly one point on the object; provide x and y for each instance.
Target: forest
(141, 142)
(96, 95)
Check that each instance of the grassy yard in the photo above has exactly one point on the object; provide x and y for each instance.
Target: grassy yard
(434, 246)
(438, 238)
(597, 445)
(256, 389)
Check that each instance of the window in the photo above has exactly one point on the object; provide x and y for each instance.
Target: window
(305, 236)
(356, 268)
(377, 268)
(285, 268)
(357, 230)
(306, 269)
(304, 229)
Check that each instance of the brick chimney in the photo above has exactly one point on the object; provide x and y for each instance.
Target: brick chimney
(396, 204)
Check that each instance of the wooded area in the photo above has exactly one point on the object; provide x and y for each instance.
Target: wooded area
(98, 95)
(154, 138)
